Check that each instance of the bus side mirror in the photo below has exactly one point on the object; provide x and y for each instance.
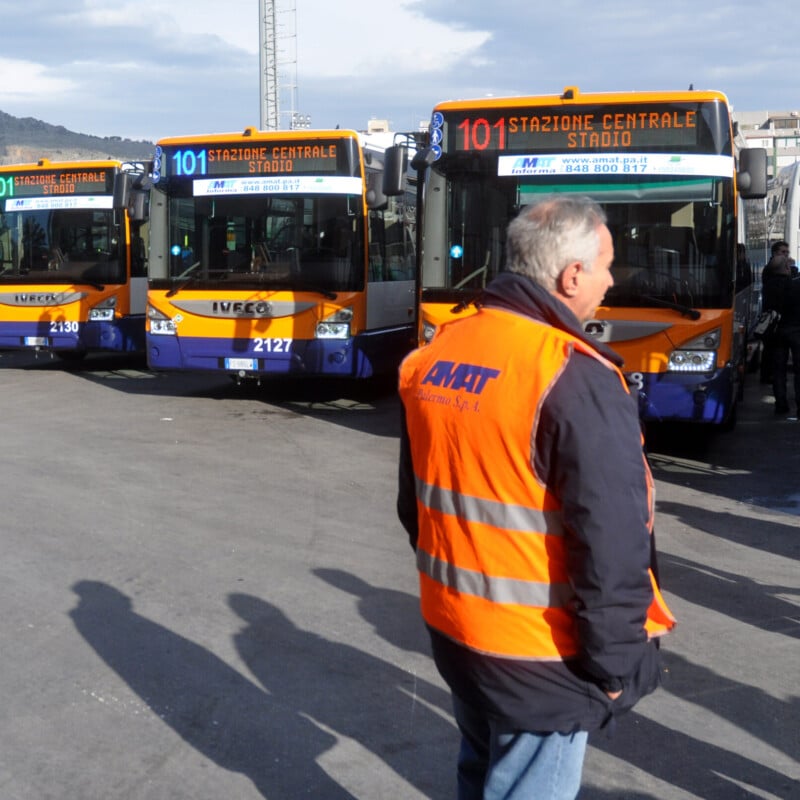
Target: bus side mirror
(376, 199)
(122, 189)
(752, 175)
(137, 205)
(395, 163)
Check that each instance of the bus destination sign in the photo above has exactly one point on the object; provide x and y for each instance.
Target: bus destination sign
(584, 128)
(259, 158)
(56, 182)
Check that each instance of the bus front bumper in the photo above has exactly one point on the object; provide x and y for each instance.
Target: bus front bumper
(685, 397)
(362, 356)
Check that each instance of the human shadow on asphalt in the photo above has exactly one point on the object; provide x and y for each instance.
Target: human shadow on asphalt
(394, 616)
(215, 709)
(388, 711)
(313, 692)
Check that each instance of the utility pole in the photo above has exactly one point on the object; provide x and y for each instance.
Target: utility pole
(278, 61)
(268, 59)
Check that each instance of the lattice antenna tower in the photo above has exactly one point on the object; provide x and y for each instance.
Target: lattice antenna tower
(278, 59)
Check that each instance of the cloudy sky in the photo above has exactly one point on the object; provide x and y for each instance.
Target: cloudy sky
(144, 69)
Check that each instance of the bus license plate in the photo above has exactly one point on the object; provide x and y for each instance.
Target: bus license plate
(36, 341)
(240, 363)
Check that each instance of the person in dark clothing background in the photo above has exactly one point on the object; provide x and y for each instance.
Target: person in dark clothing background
(775, 267)
(781, 293)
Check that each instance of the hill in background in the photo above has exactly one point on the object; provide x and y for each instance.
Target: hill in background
(25, 140)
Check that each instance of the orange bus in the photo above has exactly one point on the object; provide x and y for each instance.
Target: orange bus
(72, 257)
(665, 167)
(276, 253)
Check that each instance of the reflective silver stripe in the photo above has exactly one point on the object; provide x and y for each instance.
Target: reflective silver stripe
(490, 512)
(497, 590)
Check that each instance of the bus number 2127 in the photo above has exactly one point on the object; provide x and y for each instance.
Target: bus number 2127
(272, 345)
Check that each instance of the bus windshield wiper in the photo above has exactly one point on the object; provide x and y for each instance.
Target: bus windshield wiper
(327, 293)
(93, 284)
(472, 300)
(685, 311)
(184, 279)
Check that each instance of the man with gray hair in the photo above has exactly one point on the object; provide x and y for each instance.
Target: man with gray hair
(528, 501)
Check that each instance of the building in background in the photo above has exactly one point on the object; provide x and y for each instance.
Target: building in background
(777, 131)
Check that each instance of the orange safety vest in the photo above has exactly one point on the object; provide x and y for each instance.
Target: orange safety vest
(490, 549)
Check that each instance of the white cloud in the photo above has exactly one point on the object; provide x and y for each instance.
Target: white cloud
(383, 39)
(27, 80)
(348, 38)
(123, 66)
(341, 39)
(103, 14)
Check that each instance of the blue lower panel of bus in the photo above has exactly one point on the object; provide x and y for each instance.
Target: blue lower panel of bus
(682, 397)
(363, 356)
(122, 336)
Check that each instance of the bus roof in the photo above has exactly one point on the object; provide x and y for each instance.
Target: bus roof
(572, 94)
(46, 164)
(255, 135)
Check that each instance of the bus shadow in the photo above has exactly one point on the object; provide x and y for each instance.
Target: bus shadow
(757, 463)
(770, 536)
(368, 405)
(683, 759)
(735, 595)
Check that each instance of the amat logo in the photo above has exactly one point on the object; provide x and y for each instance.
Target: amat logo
(533, 162)
(467, 377)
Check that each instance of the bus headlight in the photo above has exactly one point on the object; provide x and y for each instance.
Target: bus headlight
(691, 361)
(160, 324)
(696, 355)
(103, 311)
(336, 326)
(428, 332)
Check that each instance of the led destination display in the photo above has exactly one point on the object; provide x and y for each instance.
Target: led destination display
(580, 128)
(52, 182)
(259, 158)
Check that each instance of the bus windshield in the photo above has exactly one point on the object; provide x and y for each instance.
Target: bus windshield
(673, 241)
(289, 242)
(61, 246)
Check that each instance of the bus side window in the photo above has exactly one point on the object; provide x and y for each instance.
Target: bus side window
(744, 272)
(377, 246)
(391, 246)
(138, 257)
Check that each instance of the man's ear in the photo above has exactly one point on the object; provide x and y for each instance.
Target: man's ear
(569, 278)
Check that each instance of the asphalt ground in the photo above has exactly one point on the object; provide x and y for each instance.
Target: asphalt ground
(206, 594)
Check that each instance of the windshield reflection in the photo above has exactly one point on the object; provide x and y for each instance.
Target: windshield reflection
(64, 246)
(278, 242)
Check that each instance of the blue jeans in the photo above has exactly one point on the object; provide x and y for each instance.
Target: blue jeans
(497, 764)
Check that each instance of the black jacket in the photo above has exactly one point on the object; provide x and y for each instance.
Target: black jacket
(781, 293)
(587, 449)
